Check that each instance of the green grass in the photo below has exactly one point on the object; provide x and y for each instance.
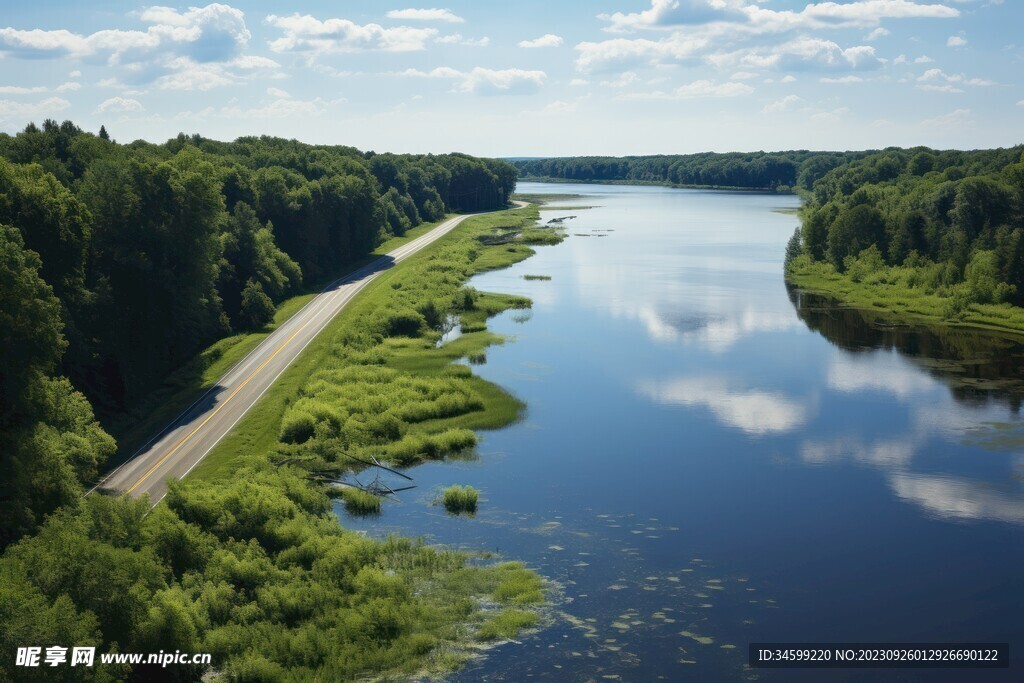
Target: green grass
(458, 499)
(360, 502)
(507, 624)
(889, 296)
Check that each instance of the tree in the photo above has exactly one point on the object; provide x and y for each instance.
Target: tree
(49, 441)
(854, 230)
(794, 247)
(257, 310)
(103, 133)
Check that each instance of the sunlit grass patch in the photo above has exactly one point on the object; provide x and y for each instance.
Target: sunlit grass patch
(360, 502)
(507, 624)
(460, 499)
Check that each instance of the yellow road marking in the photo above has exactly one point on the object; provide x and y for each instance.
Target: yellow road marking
(218, 409)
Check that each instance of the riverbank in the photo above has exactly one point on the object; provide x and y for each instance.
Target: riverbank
(887, 293)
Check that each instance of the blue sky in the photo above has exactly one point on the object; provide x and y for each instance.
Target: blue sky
(533, 78)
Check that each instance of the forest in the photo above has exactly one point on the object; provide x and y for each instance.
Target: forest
(946, 224)
(122, 261)
(777, 171)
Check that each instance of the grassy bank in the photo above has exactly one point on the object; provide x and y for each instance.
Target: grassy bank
(895, 294)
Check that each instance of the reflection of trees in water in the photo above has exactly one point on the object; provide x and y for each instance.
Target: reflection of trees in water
(977, 366)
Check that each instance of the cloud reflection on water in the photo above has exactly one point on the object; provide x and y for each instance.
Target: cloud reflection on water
(753, 411)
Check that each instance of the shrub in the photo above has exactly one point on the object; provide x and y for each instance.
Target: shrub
(297, 427)
(404, 324)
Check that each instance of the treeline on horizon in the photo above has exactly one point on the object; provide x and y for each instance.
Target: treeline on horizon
(776, 171)
(119, 262)
(949, 223)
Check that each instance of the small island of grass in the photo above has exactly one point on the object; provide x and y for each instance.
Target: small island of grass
(460, 499)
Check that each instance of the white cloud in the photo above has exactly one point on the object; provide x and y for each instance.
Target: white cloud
(750, 17)
(481, 81)
(956, 41)
(780, 105)
(22, 111)
(70, 86)
(426, 15)
(937, 80)
(277, 109)
(211, 33)
(879, 32)
(842, 79)
(788, 78)
(832, 116)
(118, 105)
(742, 76)
(546, 40)
(623, 80)
(254, 62)
(624, 52)
(458, 39)
(954, 119)
(579, 82)
(947, 88)
(192, 76)
(304, 33)
(804, 53)
(697, 89)
(22, 90)
(753, 411)
(277, 92)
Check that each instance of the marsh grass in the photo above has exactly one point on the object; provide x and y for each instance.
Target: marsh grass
(459, 499)
(360, 502)
(536, 277)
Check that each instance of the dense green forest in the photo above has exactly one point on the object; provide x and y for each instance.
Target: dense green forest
(947, 225)
(778, 171)
(120, 262)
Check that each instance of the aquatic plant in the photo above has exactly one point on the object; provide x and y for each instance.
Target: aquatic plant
(360, 502)
(458, 499)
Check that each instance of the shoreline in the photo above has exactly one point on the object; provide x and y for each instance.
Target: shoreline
(905, 307)
(650, 183)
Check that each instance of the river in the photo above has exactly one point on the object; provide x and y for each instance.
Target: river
(709, 460)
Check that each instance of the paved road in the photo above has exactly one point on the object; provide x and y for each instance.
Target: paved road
(172, 453)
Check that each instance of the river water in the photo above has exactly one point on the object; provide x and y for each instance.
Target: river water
(709, 460)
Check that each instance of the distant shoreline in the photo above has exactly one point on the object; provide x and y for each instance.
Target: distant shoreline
(654, 183)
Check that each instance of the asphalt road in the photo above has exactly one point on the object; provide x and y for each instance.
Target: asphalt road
(179, 447)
